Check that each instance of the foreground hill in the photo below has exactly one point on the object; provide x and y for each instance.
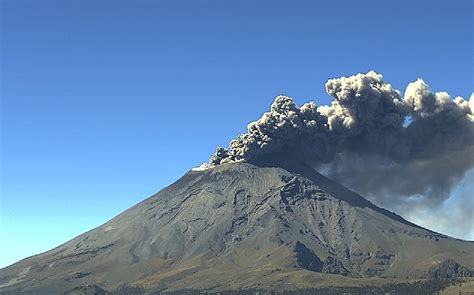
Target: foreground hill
(241, 225)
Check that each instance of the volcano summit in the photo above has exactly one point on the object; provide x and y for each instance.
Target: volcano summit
(240, 225)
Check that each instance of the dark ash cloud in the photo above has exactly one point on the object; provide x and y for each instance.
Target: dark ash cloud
(388, 146)
(366, 117)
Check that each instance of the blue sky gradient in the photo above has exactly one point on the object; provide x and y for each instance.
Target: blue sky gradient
(104, 103)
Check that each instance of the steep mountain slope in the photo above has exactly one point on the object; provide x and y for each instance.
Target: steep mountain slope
(244, 225)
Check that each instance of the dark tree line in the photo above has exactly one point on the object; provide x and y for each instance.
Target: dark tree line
(418, 288)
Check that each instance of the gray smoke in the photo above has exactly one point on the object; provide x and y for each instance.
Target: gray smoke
(367, 117)
(381, 143)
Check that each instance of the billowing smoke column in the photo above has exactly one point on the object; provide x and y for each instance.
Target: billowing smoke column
(370, 138)
(367, 117)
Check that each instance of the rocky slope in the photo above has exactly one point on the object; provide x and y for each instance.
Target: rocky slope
(244, 225)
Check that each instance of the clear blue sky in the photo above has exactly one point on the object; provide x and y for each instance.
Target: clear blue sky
(105, 102)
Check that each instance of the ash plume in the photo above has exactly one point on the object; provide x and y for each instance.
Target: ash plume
(371, 137)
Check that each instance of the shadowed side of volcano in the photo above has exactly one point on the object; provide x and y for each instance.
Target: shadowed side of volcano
(335, 189)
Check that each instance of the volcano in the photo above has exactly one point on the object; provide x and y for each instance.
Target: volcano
(243, 225)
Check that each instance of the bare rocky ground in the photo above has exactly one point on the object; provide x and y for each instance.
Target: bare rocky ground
(244, 225)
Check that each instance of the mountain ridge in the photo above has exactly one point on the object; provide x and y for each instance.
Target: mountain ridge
(243, 225)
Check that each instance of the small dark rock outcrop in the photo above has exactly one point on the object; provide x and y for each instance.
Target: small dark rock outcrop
(334, 266)
(306, 259)
(449, 269)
